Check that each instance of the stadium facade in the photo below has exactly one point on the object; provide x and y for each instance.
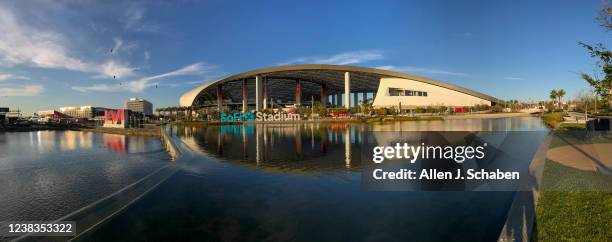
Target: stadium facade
(330, 85)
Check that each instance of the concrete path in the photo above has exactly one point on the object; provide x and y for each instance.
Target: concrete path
(586, 157)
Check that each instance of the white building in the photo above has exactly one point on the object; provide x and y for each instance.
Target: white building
(329, 85)
(139, 105)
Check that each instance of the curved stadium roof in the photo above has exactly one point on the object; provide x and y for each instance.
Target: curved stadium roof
(363, 79)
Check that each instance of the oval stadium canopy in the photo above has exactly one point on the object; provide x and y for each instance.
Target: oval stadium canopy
(280, 81)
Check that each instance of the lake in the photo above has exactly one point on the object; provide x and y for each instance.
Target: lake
(257, 182)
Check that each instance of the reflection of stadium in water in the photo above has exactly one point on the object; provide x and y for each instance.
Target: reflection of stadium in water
(290, 182)
(320, 146)
(285, 146)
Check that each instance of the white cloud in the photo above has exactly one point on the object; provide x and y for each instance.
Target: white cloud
(421, 70)
(207, 77)
(121, 46)
(112, 68)
(21, 44)
(118, 43)
(23, 91)
(12, 77)
(388, 68)
(147, 55)
(193, 69)
(134, 16)
(513, 78)
(346, 58)
(131, 86)
(143, 83)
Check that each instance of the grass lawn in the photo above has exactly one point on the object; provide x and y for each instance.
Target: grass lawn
(571, 127)
(566, 212)
(574, 216)
(576, 134)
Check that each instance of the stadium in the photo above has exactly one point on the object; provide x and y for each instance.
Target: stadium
(329, 85)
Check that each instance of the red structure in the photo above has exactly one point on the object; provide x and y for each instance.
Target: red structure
(116, 118)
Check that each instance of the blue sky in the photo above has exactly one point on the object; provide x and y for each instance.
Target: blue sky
(57, 53)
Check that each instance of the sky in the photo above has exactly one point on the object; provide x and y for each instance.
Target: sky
(58, 53)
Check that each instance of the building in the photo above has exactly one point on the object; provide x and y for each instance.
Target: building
(331, 86)
(13, 116)
(123, 118)
(87, 112)
(139, 105)
(51, 115)
(3, 112)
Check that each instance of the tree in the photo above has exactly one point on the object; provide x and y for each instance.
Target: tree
(602, 86)
(605, 15)
(366, 105)
(553, 95)
(560, 94)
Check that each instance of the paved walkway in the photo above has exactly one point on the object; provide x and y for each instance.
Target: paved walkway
(587, 157)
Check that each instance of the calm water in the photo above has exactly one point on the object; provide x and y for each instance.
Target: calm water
(301, 182)
(48, 174)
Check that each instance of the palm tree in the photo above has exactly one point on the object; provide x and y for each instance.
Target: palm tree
(560, 94)
(366, 105)
(553, 95)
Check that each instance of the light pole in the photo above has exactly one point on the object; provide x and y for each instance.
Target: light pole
(586, 116)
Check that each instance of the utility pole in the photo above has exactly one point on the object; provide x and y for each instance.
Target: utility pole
(586, 116)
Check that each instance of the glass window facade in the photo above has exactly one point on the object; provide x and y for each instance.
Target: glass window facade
(401, 92)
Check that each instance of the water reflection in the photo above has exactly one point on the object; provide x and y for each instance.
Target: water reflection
(47, 174)
(320, 146)
(274, 145)
(115, 143)
(301, 182)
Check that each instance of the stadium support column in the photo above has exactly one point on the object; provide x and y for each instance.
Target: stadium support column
(298, 93)
(347, 90)
(347, 147)
(338, 100)
(245, 94)
(364, 96)
(324, 95)
(355, 99)
(265, 93)
(219, 98)
(258, 93)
